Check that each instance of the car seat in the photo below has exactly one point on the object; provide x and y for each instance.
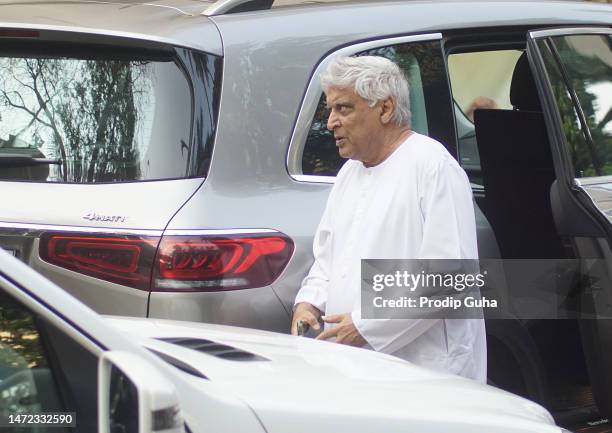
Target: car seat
(517, 170)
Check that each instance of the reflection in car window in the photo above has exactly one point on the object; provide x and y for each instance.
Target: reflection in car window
(569, 116)
(478, 80)
(586, 63)
(26, 382)
(123, 403)
(106, 119)
(429, 102)
(482, 79)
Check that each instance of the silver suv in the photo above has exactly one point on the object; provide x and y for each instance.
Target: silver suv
(170, 159)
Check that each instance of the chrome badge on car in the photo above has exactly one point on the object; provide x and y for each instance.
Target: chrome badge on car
(93, 216)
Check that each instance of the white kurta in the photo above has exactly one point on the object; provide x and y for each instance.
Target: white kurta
(415, 204)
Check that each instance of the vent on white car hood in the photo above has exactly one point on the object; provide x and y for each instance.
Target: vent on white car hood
(183, 366)
(219, 350)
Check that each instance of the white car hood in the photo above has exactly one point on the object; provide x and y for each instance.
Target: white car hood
(326, 383)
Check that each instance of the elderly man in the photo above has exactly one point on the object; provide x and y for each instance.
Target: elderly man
(401, 196)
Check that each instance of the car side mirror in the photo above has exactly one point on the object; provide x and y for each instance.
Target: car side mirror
(134, 397)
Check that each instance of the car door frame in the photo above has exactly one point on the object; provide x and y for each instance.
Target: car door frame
(579, 218)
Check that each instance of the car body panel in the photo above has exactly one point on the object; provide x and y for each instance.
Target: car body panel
(238, 307)
(80, 322)
(141, 205)
(339, 385)
(178, 24)
(600, 191)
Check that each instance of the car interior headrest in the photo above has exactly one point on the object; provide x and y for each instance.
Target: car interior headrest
(523, 91)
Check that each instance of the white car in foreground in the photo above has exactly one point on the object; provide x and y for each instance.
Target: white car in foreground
(62, 364)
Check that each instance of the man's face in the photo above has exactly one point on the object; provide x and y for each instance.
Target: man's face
(357, 127)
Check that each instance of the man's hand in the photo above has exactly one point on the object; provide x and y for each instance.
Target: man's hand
(345, 330)
(307, 313)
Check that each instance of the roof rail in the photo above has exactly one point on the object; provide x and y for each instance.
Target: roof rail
(221, 7)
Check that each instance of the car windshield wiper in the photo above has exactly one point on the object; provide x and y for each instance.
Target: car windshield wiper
(17, 160)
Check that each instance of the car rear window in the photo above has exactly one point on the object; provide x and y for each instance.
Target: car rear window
(101, 115)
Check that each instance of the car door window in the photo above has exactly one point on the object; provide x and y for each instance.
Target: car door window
(430, 104)
(478, 80)
(27, 383)
(579, 68)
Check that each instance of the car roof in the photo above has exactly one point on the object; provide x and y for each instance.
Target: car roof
(174, 22)
(193, 6)
(327, 25)
(182, 22)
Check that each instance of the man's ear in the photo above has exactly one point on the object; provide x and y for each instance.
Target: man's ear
(387, 108)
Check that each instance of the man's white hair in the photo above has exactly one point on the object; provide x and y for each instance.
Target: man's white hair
(373, 78)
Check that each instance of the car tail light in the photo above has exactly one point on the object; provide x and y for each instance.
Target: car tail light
(18, 33)
(204, 263)
(182, 263)
(124, 260)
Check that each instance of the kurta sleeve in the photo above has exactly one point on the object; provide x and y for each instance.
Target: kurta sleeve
(390, 335)
(315, 285)
(449, 225)
(445, 203)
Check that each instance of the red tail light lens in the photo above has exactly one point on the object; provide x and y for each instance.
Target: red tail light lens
(18, 33)
(123, 260)
(192, 263)
(182, 263)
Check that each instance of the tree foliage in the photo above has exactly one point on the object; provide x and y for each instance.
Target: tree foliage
(82, 111)
(587, 73)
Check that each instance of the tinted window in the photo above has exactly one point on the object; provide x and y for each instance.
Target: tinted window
(110, 117)
(123, 403)
(429, 102)
(580, 71)
(27, 384)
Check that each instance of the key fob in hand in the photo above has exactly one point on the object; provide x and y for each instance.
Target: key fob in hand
(302, 328)
(305, 330)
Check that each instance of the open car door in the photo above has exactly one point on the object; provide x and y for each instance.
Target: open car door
(573, 71)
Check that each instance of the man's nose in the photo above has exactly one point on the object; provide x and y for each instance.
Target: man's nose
(332, 121)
